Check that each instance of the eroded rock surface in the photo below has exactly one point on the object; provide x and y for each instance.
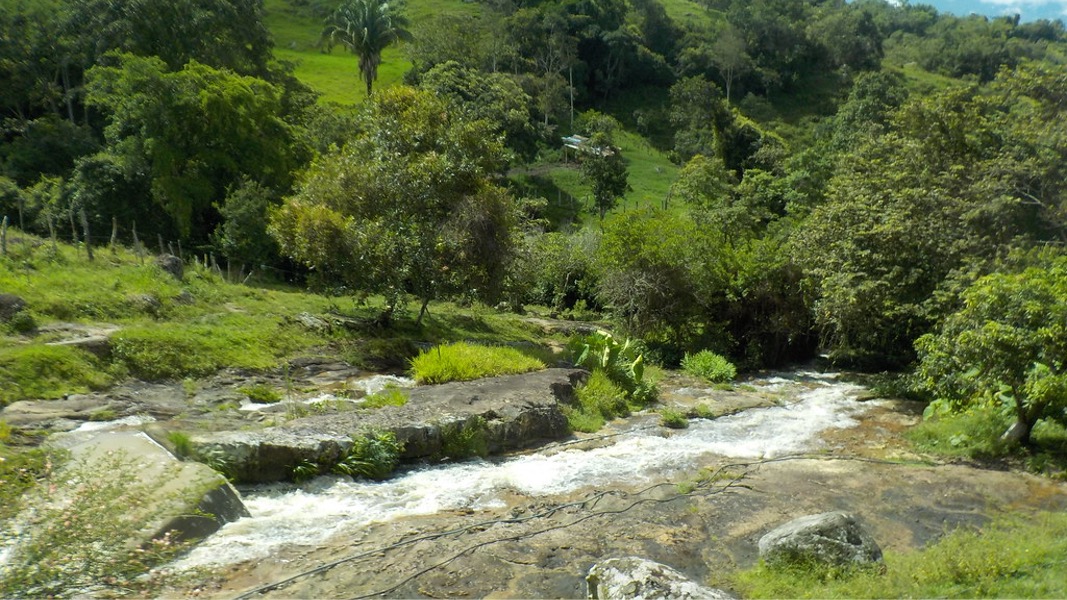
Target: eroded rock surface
(517, 411)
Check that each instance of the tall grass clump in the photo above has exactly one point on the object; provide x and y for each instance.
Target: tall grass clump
(373, 455)
(709, 366)
(1012, 557)
(461, 361)
(599, 399)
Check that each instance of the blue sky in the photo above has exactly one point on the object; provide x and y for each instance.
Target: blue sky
(1029, 9)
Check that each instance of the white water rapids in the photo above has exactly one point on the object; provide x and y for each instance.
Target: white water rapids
(309, 515)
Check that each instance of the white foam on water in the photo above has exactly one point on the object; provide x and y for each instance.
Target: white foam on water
(133, 421)
(377, 383)
(311, 515)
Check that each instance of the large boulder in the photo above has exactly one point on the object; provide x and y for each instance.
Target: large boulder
(832, 538)
(171, 264)
(515, 411)
(634, 578)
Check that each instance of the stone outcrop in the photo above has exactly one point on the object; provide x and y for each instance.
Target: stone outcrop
(515, 411)
(172, 265)
(634, 578)
(135, 489)
(10, 305)
(832, 538)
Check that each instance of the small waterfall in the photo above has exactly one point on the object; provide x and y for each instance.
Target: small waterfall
(310, 515)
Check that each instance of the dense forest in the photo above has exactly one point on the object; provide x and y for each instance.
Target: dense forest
(877, 182)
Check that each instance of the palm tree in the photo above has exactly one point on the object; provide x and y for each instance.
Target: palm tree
(366, 28)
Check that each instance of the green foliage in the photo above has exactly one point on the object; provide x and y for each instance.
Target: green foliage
(606, 172)
(461, 361)
(83, 542)
(1006, 347)
(365, 28)
(1010, 557)
(621, 362)
(465, 439)
(196, 132)
(305, 470)
(181, 444)
(406, 207)
(710, 366)
(373, 455)
(673, 418)
(22, 472)
(390, 396)
(261, 393)
(47, 372)
(598, 399)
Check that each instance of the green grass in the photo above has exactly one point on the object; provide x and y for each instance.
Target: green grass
(48, 372)
(598, 400)
(261, 393)
(1013, 557)
(336, 75)
(386, 397)
(461, 361)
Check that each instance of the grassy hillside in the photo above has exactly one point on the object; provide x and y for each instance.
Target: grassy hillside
(169, 329)
(336, 75)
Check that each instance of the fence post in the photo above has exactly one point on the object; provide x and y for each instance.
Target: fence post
(114, 233)
(3, 237)
(85, 227)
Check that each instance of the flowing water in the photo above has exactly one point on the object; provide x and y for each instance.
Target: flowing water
(311, 514)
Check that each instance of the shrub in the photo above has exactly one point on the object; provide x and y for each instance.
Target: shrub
(709, 366)
(373, 455)
(599, 399)
(461, 361)
(181, 444)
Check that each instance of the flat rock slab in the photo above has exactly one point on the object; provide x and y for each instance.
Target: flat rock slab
(517, 411)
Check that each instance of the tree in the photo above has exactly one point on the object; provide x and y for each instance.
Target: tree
(1005, 346)
(409, 207)
(365, 28)
(195, 132)
(606, 172)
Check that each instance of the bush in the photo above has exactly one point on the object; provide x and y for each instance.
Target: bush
(709, 366)
(373, 455)
(465, 362)
(599, 399)
(622, 362)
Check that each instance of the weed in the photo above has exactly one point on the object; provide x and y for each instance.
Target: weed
(704, 411)
(190, 386)
(5, 432)
(461, 361)
(103, 414)
(464, 439)
(181, 443)
(261, 393)
(709, 366)
(673, 418)
(373, 455)
(305, 470)
(217, 459)
(390, 396)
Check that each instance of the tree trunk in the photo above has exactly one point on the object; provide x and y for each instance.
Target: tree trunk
(424, 310)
